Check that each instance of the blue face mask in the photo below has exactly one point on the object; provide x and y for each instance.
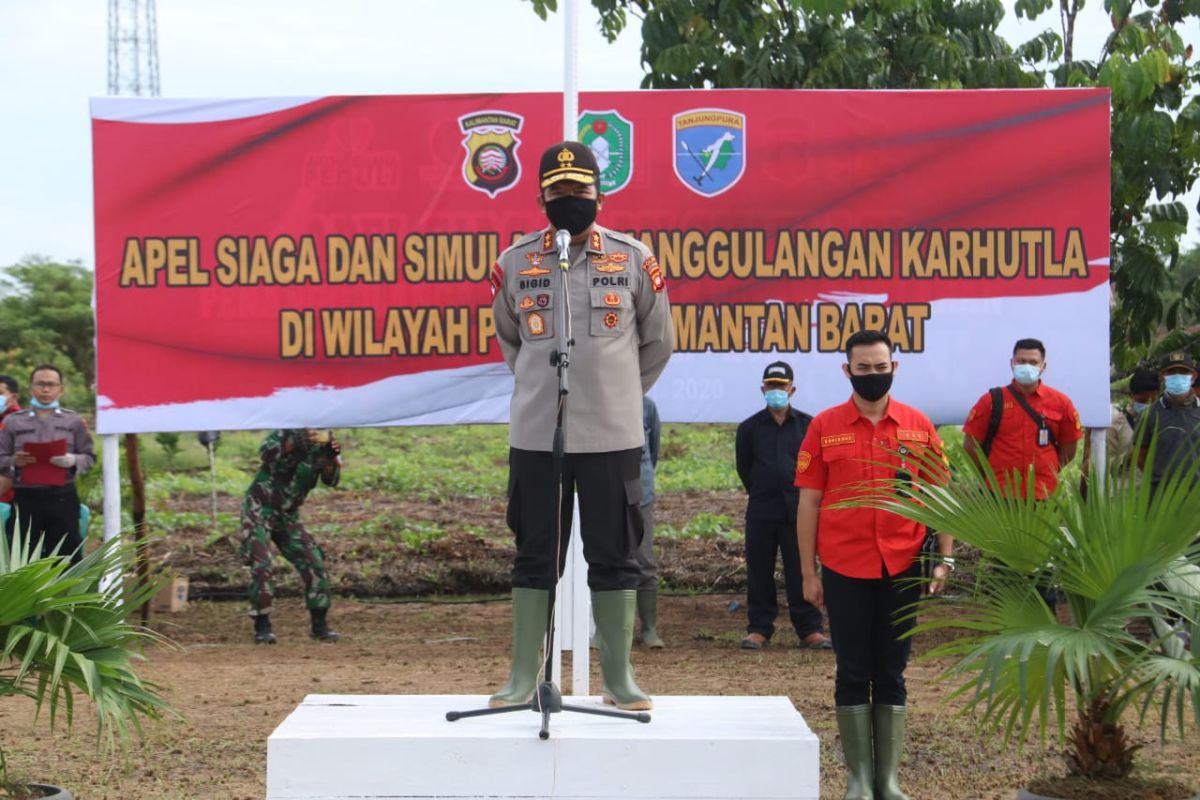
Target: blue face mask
(1178, 385)
(33, 401)
(1026, 374)
(776, 398)
(1139, 408)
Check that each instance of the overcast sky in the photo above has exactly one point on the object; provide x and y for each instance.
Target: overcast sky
(53, 57)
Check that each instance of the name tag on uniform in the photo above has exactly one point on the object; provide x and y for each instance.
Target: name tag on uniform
(913, 436)
(836, 439)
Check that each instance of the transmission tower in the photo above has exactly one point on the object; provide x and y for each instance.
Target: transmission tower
(132, 48)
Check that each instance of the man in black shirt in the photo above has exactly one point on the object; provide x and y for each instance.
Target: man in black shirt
(1175, 420)
(767, 444)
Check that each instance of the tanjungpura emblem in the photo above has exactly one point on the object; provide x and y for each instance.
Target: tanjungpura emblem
(710, 149)
(491, 142)
(610, 138)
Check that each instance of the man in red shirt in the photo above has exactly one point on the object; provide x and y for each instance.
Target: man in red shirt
(869, 558)
(1038, 427)
(8, 405)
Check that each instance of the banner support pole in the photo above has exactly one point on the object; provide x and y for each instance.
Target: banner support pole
(111, 504)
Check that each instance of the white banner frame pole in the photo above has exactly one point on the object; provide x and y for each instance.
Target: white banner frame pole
(111, 503)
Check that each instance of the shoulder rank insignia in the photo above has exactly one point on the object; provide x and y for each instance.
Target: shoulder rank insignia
(496, 278)
(654, 271)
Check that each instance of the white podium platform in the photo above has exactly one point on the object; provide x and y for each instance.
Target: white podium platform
(337, 747)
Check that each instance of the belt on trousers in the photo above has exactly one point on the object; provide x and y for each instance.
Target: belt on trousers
(69, 486)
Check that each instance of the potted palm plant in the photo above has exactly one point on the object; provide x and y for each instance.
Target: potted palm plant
(1126, 563)
(64, 636)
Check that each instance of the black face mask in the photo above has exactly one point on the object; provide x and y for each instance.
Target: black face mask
(572, 214)
(871, 387)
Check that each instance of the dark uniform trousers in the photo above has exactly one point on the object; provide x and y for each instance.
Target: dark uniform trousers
(50, 513)
(867, 618)
(610, 491)
(765, 538)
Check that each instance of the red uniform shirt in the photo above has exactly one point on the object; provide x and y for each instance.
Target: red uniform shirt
(842, 452)
(1016, 444)
(7, 497)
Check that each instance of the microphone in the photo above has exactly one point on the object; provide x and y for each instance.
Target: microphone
(563, 240)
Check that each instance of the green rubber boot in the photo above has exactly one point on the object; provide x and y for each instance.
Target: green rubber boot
(528, 632)
(854, 726)
(647, 609)
(889, 746)
(613, 612)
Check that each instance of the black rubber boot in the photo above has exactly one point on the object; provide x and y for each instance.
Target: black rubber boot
(262, 630)
(320, 628)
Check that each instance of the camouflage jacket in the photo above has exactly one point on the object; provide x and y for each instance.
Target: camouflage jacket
(290, 468)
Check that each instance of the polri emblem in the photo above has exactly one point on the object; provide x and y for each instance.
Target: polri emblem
(611, 319)
(710, 149)
(612, 299)
(491, 142)
(610, 138)
(537, 325)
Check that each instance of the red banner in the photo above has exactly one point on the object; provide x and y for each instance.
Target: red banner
(324, 262)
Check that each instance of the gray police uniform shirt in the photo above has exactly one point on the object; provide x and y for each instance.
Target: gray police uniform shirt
(1178, 429)
(29, 426)
(620, 320)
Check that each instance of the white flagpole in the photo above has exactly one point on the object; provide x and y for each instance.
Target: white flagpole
(576, 611)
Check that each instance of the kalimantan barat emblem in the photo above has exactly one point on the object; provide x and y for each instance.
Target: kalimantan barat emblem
(491, 142)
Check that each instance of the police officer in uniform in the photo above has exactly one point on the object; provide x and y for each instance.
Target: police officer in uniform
(49, 511)
(619, 319)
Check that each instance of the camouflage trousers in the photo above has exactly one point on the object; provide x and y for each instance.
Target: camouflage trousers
(260, 527)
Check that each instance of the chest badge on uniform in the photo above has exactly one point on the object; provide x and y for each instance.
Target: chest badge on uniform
(526, 303)
(535, 265)
(836, 439)
(612, 299)
(543, 300)
(609, 262)
(611, 319)
(537, 325)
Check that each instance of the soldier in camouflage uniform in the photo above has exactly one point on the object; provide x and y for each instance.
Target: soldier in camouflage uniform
(292, 463)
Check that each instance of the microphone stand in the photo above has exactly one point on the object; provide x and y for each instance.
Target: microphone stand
(547, 699)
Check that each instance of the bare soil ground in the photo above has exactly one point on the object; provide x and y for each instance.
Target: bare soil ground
(232, 694)
(474, 556)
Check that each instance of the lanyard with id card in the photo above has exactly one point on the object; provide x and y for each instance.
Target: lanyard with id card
(1045, 436)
